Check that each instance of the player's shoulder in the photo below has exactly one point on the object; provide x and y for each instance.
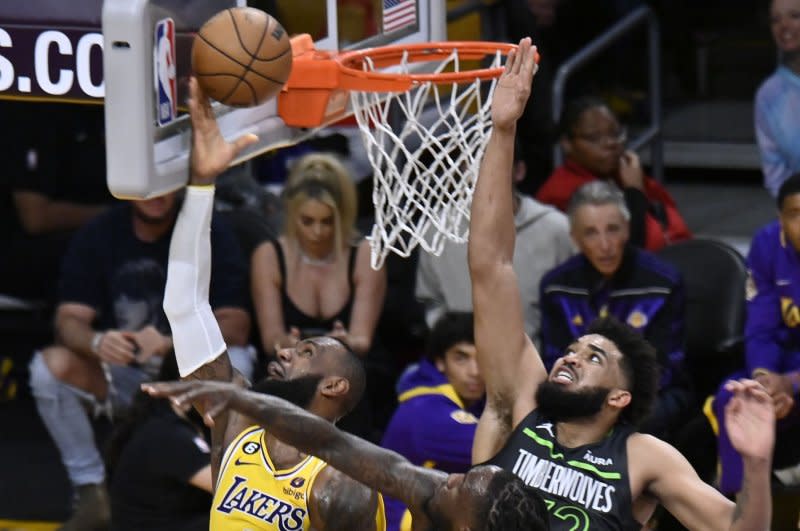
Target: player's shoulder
(331, 479)
(334, 493)
(650, 455)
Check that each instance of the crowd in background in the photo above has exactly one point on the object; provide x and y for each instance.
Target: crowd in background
(296, 265)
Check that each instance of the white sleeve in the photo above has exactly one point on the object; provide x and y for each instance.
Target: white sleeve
(195, 332)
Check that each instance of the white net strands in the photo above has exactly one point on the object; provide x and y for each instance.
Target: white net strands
(425, 146)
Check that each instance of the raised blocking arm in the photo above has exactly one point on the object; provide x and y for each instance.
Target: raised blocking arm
(199, 345)
(508, 360)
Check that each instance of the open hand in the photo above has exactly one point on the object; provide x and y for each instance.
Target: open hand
(211, 153)
(514, 86)
(750, 419)
(216, 395)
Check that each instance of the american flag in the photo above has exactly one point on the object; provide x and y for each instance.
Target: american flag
(399, 14)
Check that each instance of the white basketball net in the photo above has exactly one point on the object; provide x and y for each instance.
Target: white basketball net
(425, 147)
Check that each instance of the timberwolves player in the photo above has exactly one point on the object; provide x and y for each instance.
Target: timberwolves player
(260, 482)
(570, 434)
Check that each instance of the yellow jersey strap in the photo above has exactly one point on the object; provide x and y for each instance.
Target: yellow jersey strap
(445, 390)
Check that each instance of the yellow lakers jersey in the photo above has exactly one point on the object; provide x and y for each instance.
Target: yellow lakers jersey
(252, 494)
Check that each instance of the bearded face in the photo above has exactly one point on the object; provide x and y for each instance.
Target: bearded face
(559, 404)
(299, 391)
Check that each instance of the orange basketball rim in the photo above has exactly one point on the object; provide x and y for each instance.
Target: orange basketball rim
(318, 88)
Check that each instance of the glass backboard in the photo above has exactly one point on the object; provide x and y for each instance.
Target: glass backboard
(146, 64)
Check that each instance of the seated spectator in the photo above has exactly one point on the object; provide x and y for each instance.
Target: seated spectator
(54, 170)
(778, 101)
(593, 142)
(772, 332)
(542, 243)
(441, 400)
(316, 278)
(112, 332)
(160, 465)
(612, 277)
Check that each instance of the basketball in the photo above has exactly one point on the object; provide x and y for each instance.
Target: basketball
(241, 57)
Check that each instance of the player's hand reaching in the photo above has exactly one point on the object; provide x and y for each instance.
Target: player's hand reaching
(750, 419)
(514, 86)
(211, 153)
(216, 396)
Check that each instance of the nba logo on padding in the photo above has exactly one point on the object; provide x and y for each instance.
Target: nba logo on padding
(166, 84)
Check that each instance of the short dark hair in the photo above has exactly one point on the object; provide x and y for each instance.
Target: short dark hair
(790, 186)
(351, 367)
(450, 329)
(639, 365)
(573, 112)
(511, 505)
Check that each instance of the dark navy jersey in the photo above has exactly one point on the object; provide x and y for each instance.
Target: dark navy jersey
(586, 487)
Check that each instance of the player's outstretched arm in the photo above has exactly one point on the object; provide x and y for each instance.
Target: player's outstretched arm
(199, 347)
(750, 419)
(380, 469)
(508, 360)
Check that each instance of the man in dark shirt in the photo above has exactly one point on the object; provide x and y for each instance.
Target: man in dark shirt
(54, 181)
(112, 332)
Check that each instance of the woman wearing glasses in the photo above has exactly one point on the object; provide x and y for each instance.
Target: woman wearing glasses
(593, 142)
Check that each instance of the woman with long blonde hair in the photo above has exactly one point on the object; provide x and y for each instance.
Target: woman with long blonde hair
(316, 278)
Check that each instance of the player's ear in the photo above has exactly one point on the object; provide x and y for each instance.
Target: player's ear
(619, 398)
(334, 387)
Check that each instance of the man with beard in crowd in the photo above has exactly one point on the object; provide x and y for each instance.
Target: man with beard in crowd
(571, 434)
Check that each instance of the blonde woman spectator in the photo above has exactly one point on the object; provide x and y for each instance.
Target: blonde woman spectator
(316, 278)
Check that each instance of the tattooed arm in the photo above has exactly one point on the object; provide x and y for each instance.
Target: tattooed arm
(228, 423)
(340, 503)
(380, 469)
